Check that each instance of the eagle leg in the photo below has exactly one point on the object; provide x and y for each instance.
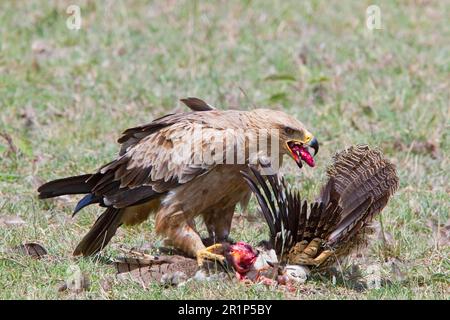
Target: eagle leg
(210, 253)
(218, 224)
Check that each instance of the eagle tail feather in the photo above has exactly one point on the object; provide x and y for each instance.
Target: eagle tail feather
(101, 232)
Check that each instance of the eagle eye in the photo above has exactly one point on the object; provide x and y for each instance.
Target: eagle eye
(289, 130)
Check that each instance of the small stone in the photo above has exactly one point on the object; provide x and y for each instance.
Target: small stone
(200, 275)
(217, 276)
(173, 279)
(40, 47)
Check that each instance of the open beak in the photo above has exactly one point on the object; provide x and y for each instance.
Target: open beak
(300, 151)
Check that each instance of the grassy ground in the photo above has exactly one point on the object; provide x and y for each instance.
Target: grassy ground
(66, 95)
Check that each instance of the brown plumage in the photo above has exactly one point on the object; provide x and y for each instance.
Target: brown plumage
(158, 170)
(360, 182)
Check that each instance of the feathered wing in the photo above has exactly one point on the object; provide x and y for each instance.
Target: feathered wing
(360, 182)
(361, 175)
(154, 159)
(156, 164)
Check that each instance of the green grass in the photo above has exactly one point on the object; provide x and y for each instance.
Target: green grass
(131, 62)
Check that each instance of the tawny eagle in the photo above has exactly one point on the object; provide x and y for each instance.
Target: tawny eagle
(159, 170)
(360, 183)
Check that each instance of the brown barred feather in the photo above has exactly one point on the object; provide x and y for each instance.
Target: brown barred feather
(360, 183)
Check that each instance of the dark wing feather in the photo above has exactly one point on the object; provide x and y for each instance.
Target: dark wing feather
(196, 104)
(262, 201)
(275, 202)
(289, 219)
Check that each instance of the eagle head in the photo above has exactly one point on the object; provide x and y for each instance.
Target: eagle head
(294, 139)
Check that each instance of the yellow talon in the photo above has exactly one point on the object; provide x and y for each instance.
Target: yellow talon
(210, 253)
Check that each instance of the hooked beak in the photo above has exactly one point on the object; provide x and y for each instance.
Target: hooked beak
(314, 144)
